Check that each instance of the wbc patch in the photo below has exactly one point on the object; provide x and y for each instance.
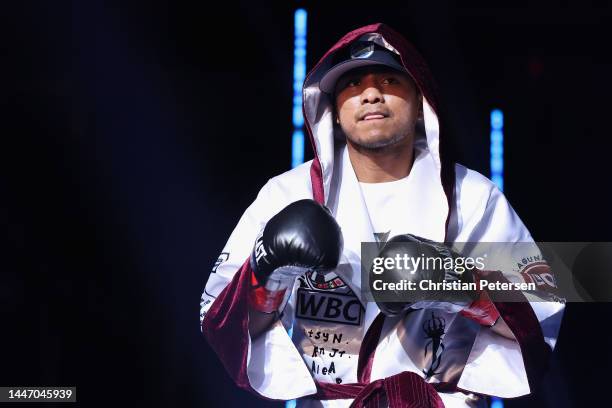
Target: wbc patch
(328, 306)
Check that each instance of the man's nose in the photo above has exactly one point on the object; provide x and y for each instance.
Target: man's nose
(371, 94)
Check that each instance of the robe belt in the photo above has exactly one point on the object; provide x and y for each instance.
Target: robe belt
(403, 390)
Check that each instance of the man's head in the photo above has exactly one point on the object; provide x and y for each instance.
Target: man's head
(377, 106)
(376, 102)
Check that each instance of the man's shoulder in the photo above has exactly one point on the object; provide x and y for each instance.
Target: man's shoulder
(468, 178)
(291, 185)
(295, 179)
(478, 199)
(280, 191)
(473, 187)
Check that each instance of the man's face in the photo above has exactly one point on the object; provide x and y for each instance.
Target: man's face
(377, 106)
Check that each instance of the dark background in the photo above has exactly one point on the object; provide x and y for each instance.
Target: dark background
(134, 135)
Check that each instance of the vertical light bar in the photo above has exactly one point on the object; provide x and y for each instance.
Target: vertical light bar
(497, 148)
(299, 73)
(497, 176)
(496, 403)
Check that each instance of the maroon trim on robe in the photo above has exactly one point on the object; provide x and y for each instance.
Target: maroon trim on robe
(402, 390)
(226, 327)
(316, 179)
(368, 349)
(523, 323)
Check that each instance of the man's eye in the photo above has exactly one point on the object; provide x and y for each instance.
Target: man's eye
(390, 80)
(352, 82)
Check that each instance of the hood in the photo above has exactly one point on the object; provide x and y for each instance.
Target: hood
(318, 112)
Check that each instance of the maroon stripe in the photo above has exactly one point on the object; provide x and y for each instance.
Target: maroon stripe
(403, 390)
(316, 179)
(331, 391)
(368, 349)
(226, 327)
(523, 323)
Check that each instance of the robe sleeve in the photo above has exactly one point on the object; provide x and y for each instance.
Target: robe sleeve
(496, 365)
(269, 366)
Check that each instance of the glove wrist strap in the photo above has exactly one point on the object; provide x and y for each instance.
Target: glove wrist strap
(264, 300)
(483, 310)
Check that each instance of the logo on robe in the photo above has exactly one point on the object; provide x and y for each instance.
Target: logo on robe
(321, 280)
(434, 329)
(326, 306)
(223, 256)
(323, 296)
(539, 273)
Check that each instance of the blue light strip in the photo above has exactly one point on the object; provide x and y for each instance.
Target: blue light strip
(497, 176)
(299, 73)
(497, 148)
(496, 403)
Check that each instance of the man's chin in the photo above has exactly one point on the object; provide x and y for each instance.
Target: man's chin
(376, 143)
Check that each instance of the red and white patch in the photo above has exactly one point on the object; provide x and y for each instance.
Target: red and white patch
(540, 274)
(324, 281)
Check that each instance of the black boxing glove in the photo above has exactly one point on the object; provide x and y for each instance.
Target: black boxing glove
(303, 236)
(409, 246)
